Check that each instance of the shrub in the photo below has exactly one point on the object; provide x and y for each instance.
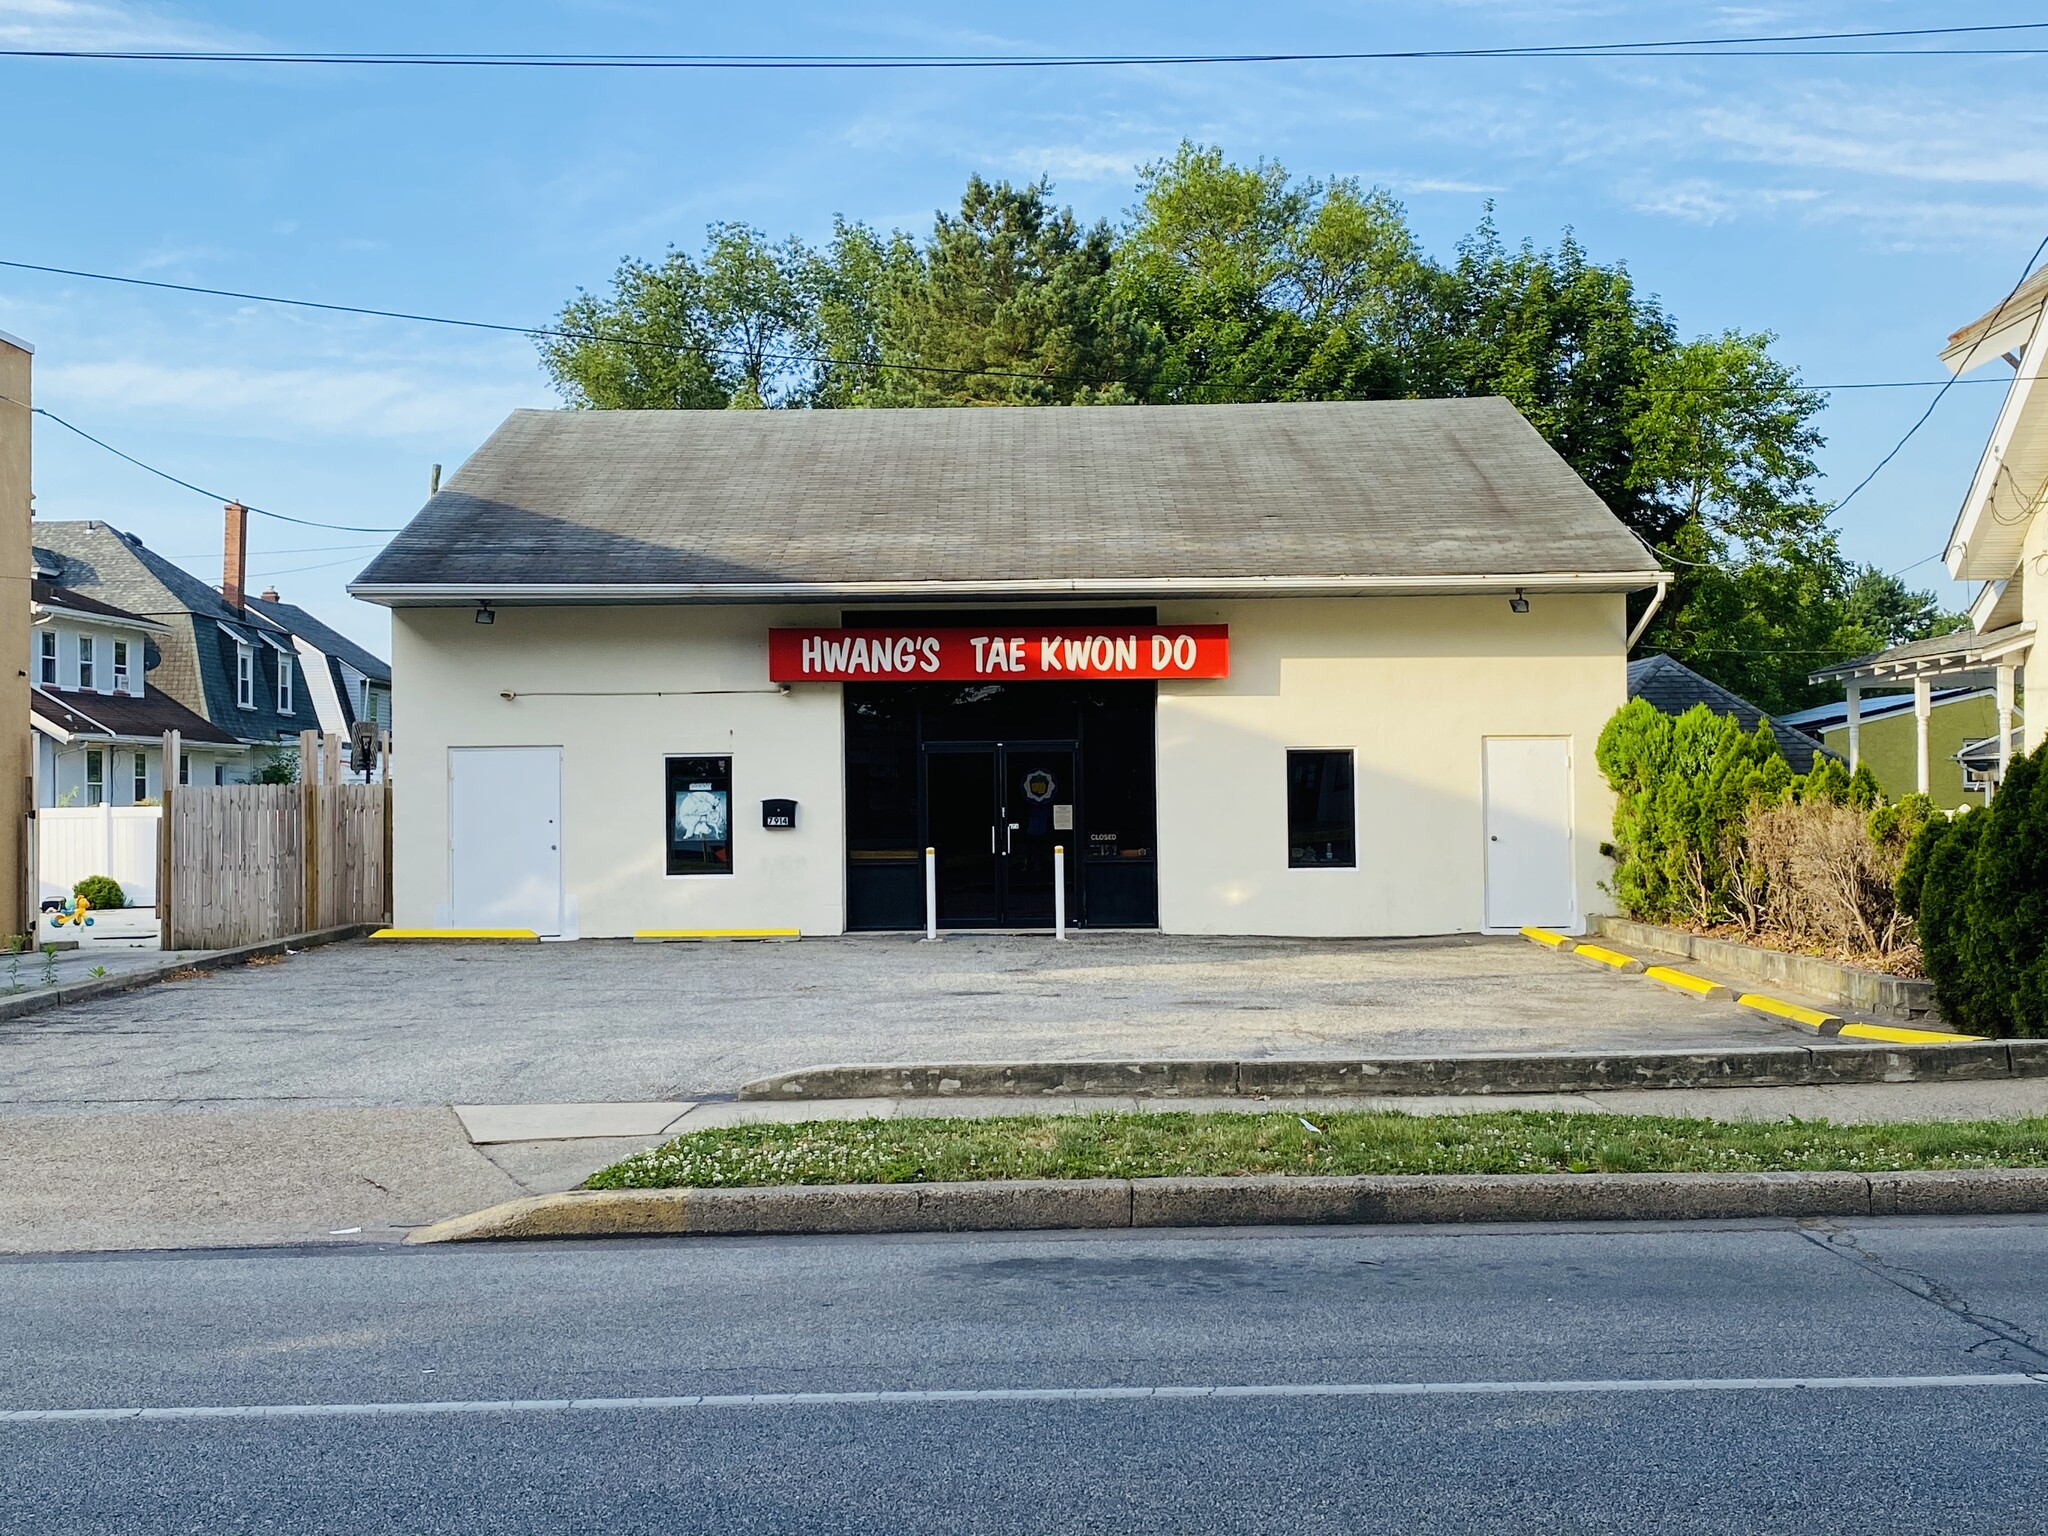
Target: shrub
(1812, 873)
(100, 891)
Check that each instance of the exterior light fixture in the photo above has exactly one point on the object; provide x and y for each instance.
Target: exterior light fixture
(1519, 603)
(485, 614)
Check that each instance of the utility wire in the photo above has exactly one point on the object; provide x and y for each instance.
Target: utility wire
(1766, 45)
(1990, 325)
(616, 339)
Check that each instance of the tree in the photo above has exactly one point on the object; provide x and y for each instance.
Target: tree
(645, 347)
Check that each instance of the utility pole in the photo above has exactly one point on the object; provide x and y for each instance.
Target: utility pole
(17, 765)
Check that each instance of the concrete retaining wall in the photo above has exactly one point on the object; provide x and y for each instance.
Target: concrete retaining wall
(1858, 990)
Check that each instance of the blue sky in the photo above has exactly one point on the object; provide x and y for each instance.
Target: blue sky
(1859, 208)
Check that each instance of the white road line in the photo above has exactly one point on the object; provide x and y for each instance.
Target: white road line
(1020, 1395)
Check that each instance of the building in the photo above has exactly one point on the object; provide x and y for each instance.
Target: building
(1673, 688)
(1999, 540)
(1957, 718)
(259, 671)
(1257, 669)
(98, 724)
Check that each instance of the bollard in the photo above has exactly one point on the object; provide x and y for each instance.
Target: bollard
(1059, 891)
(931, 893)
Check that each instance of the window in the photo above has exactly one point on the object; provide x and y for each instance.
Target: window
(184, 767)
(47, 657)
(95, 777)
(284, 684)
(1322, 811)
(699, 813)
(120, 666)
(245, 676)
(85, 668)
(141, 777)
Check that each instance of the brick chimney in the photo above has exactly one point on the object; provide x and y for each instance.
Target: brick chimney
(234, 563)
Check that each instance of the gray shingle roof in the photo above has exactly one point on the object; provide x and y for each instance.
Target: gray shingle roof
(1673, 688)
(291, 617)
(1405, 490)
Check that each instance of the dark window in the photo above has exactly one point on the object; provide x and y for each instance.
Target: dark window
(1322, 811)
(700, 815)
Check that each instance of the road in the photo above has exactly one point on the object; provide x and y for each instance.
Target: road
(1815, 1378)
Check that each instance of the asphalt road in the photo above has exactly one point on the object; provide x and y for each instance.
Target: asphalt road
(1872, 1377)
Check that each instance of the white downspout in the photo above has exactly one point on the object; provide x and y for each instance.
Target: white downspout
(1649, 613)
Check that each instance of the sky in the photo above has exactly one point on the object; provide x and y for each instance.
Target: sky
(1859, 209)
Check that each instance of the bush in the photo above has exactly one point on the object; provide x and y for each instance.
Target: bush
(100, 892)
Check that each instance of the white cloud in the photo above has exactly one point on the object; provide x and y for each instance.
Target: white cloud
(1074, 162)
(98, 24)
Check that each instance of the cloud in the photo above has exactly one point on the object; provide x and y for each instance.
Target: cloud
(1074, 162)
(98, 24)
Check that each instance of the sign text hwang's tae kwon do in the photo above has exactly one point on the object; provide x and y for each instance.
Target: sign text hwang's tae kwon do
(1020, 653)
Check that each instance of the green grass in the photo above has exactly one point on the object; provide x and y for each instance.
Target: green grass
(1143, 1146)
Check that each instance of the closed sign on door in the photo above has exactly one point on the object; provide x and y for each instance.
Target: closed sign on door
(1529, 832)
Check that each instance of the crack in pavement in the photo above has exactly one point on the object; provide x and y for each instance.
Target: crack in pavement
(2002, 1336)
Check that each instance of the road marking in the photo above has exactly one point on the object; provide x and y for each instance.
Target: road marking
(941, 1396)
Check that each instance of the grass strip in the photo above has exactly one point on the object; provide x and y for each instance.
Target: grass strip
(1145, 1146)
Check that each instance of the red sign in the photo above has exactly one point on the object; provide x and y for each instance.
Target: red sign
(1019, 653)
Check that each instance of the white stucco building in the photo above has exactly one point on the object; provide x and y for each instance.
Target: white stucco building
(1324, 669)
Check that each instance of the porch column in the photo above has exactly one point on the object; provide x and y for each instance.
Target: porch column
(2005, 680)
(1855, 726)
(1921, 706)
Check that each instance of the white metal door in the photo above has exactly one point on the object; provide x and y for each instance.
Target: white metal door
(1529, 832)
(504, 838)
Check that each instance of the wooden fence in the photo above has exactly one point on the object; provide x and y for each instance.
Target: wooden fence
(248, 863)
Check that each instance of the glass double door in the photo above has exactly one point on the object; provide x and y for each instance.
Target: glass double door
(994, 811)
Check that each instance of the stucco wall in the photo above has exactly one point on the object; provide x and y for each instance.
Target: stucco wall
(1411, 685)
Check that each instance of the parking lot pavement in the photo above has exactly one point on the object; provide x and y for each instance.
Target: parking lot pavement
(367, 1025)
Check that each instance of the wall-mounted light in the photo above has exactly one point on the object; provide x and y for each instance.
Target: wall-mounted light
(1519, 603)
(485, 614)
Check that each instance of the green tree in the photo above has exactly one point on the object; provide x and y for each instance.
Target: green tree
(646, 346)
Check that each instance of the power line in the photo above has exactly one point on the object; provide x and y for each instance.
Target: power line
(1990, 325)
(164, 474)
(616, 339)
(1765, 45)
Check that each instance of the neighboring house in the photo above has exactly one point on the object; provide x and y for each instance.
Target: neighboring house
(2000, 540)
(258, 670)
(1674, 688)
(1331, 668)
(98, 724)
(1957, 718)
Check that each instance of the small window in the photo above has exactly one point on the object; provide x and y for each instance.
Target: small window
(47, 643)
(1322, 811)
(120, 666)
(284, 684)
(699, 812)
(245, 677)
(184, 767)
(141, 777)
(85, 666)
(95, 777)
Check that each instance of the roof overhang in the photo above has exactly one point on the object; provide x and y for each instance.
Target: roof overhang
(2000, 330)
(40, 609)
(2011, 481)
(513, 594)
(1969, 656)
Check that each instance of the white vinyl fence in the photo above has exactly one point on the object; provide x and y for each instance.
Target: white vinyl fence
(73, 842)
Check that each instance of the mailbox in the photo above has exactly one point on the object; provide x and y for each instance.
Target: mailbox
(778, 813)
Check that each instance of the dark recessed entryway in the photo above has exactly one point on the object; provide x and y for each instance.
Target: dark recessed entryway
(993, 776)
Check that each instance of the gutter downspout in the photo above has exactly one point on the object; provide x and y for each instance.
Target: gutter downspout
(1649, 613)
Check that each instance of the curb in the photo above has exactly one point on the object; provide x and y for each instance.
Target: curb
(455, 936)
(1769, 1066)
(207, 960)
(1367, 1200)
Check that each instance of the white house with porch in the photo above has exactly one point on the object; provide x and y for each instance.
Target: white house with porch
(2000, 540)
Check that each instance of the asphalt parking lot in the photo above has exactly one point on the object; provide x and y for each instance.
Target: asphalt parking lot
(362, 1024)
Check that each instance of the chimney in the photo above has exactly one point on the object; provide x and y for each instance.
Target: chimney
(234, 563)
(268, 594)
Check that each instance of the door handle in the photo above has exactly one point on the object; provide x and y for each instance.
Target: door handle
(1008, 828)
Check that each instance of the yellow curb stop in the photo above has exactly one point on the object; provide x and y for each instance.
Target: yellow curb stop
(1897, 1036)
(1684, 981)
(1562, 943)
(1790, 1013)
(462, 935)
(1614, 959)
(685, 935)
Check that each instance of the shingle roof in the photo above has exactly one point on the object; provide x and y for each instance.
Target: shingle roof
(1673, 688)
(295, 620)
(711, 501)
(121, 714)
(52, 596)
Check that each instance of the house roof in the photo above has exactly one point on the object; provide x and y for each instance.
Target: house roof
(49, 595)
(1937, 655)
(2001, 328)
(1825, 717)
(1422, 495)
(121, 714)
(1673, 688)
(295, 620)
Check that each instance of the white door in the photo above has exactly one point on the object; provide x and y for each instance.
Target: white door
(505, 838)
(1529, 832)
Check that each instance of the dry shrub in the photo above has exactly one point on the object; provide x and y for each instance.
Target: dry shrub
(1811, 874)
